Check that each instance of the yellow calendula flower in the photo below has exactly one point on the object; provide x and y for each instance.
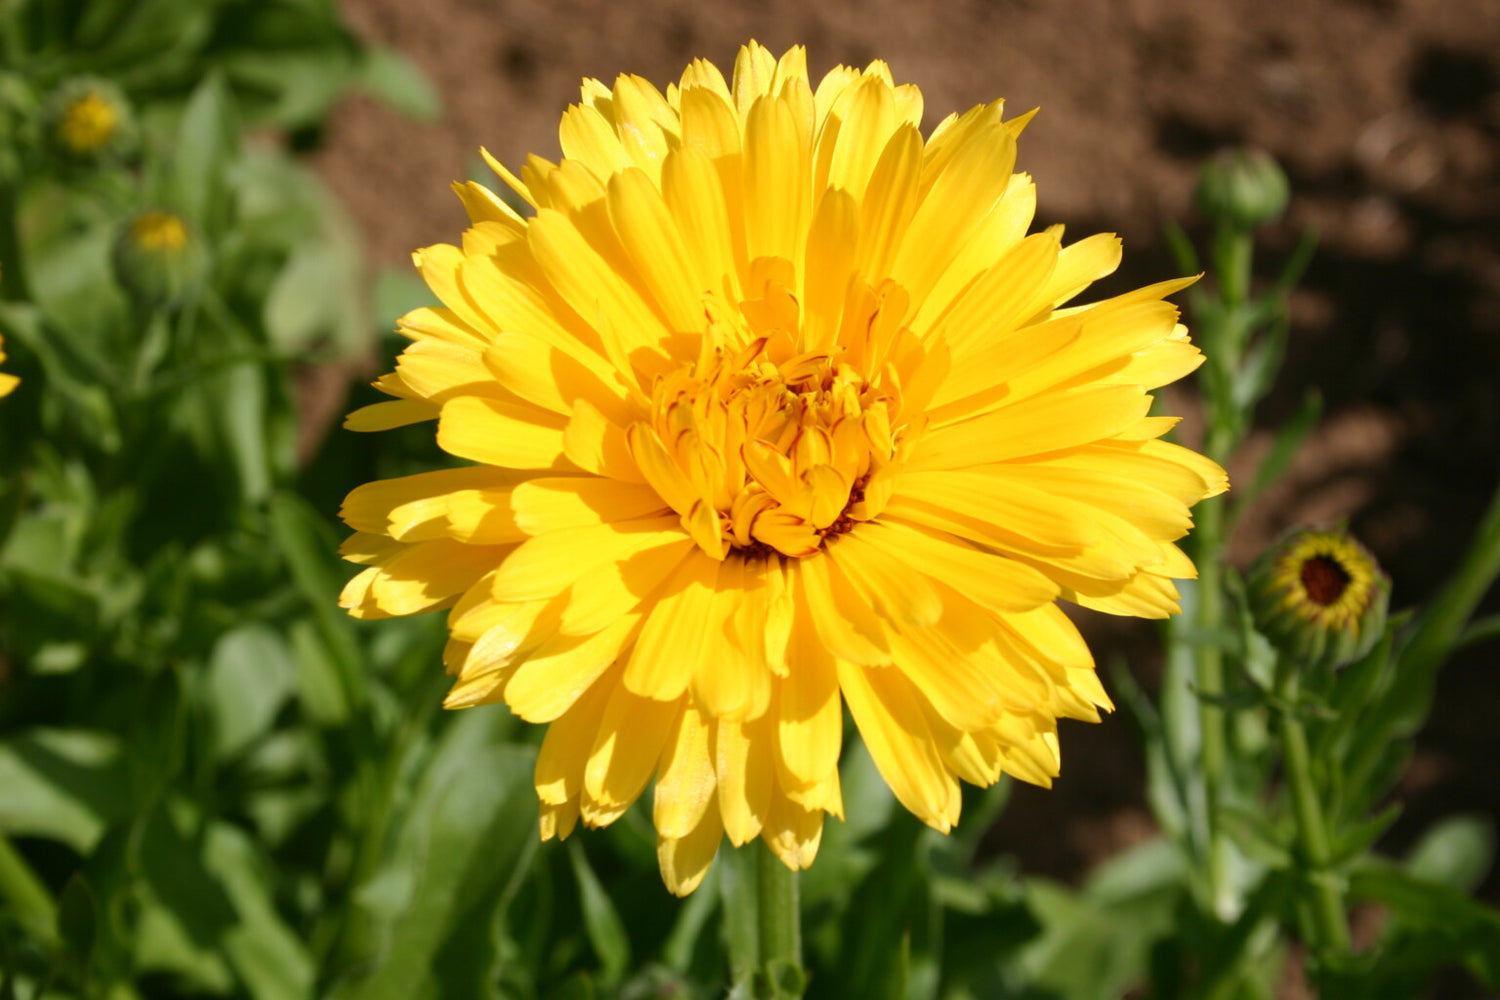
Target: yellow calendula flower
(774, 408)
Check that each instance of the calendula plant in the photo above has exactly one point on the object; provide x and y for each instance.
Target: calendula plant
(1287, 706)
(770, 444)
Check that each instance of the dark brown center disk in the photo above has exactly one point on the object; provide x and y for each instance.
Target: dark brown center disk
(1324, 578)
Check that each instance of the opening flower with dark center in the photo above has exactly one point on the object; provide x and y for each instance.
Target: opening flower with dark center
(772, 408)
(1320, 597)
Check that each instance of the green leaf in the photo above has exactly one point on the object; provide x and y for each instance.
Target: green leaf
(331, 671)
(1086, 952)
(206, 142)
(237, 395)
(1468, 930)
(250, 676)
(78, 918)
(1456, 852)
(468, 840)
(692, 919)
(1147, 869)
(1284, 448)
(601, 920)
(1354, 840)
(263, 949)
(66, 784)
(313, 300)
(389, 76)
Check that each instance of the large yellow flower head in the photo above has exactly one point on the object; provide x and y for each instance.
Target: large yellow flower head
(774, 408)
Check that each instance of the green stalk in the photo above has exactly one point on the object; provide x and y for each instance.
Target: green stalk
(1233, 249)
(780, 919)
(1209, 680)
(1330, 927)
(762, 924)
(27, 897)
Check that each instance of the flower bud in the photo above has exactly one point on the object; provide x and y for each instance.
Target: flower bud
(1243, 187)
(88, 121)
(158, 258)
(1319, 597)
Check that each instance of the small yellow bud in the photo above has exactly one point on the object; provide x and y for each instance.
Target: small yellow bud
(158, 259)
(88, 120)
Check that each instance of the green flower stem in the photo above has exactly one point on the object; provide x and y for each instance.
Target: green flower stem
(1209, 680)
(27, 897)
(780, 919)
(1330, 927)
(1232, 253)
(762, 924)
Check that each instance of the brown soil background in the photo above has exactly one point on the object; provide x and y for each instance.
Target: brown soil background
(1386, 114)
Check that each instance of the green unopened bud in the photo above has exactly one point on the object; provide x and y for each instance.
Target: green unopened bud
(88, 121)
(1243, 187)
(158, 259)
(1319, 597)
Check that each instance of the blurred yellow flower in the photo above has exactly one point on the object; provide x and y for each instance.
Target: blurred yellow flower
(774, 408)
(7, 382)
(158, 231)
(88, 123)
(88, 120)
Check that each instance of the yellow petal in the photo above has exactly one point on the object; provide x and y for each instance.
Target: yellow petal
(1046, 423)
(670, 646)
(990, 580)
(616, 587)
(631, 735)
(501, 433)
(684, 861)
(810, 719)
(552, 504)
(844, 623)
(385, 416)
(413, 508)
(793, 833)
(565, 749)
(549, 564)
(886, 708)
(687, 783)
(554, 676)
(651, 238)
(743, 759)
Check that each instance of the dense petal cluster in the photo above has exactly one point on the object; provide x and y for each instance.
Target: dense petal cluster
(773, 408)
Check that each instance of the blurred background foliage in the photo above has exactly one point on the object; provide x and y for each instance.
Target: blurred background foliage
(213, 784)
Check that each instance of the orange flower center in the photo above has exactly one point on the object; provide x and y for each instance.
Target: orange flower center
(762, 450)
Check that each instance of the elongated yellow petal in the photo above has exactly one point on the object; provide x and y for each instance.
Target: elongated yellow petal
(561, 669)
(497, 432)
(684, 860)
(886, 710)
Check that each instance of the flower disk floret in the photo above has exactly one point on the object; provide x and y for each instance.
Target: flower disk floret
(773, 408)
